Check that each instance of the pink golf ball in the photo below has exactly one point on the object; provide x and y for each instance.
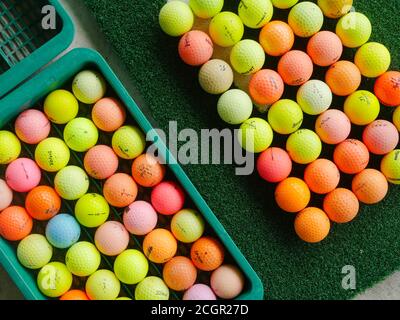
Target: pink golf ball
(333, 126)
(381, 137)
(274, 165)
(227, 282)
(111, 238)
(140, 218)
(23, 175)
(101, 162)
(167, 198)
(199, 292)
(6, 195)
(32, 126)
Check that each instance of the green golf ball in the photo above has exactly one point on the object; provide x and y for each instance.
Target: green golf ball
(54, 279)
(255, 135)
(304, 146)
(128, 142)
(10, 147)
(152, 288)
(285, 116)
(131, 266)
(71, 183)
(187, 225)
(82, 259)
(81, 134)
(92, 210)
(354, 29)
(235, 106)
(103, 285)
(247, 57)
(34, 251)
(176, 18)
(52, 154)
(255, 13)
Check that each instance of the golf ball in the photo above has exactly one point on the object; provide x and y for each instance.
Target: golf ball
(34, 251)
(82, 259)
(167, 198)
(216, 76)
(396, 118)
(314, 97)
(341, 205)
(312, 225)
(195, 48)
(101, 162)
(176, 18)
(43, 203)
(108, 114)
(284, 4)
(306, 19)
(343, 78)
(71, 183)
(235, 106)
(207, 254)
(370, 186)
(179, 273)
(227, 282)
(52, 154)
(266, 87)
(373, 59)
(295, 67)
(199, 292)
(74, 295)
(80, 134)
(160, 246)
(131, 266)
(32, 126)
(333, 126)
(92, 210)
(128, 142)
(292, 195)
(226, 29)
(63, 231)
(335, 8)
(381, 137)
(89, 86)
(390, 166)
(60, 106)
(354, 29)
(274, 165)
(322, 176)
(120, 190)
(362, 107)
(285, 116)
(255, 13)
(103, 285)
(247, 57)
(54, 279)
(351, 156)
(255, 135)
(276, 38)
(387, 88)
(206, 9)
(10, 147)
(325, 48)
(111, 238)
(152, 288)
(147, 170)
(6, 195)
(140, 218)
(304, 146)
(23, 174)
(187, 226)
(15, 223)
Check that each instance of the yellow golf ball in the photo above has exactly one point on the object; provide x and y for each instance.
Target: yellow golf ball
(52, 154)
(373, 59)
(285, 116)
(247, 57)
(226, 29)
(34, 251)
(187, 225)
(54, 279)
(255, 13)
(354, 29)
(92, 210)
(128, 142)
(390, 166)
(304, 146)
(82, 259)
(255, 135)
(71, 183)
(10, 147)
(152, 288)
(396, 118)
(206, 9)
(284, 4)
(131, 266)
(362, 107)
(306, 19)
(103, 285)
(335, 8)
(89, 86)
(176, 18)
(61, 106)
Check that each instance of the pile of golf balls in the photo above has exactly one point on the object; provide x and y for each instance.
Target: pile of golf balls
(101, 198)
(233, 67)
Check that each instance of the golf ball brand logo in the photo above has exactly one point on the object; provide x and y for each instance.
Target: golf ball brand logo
(49, 20)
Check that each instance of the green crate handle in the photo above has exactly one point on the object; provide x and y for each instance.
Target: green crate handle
(40, 57)
(56, 76)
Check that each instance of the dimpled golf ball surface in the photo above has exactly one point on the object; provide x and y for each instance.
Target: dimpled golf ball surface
(354, 29)
(343, 78)
(255, 13)
(396, 118)
(314, 97)
(390, 166)
(312, 225)
(54, 279)
(341, 205)
(52, 154)
(195, 48)
(285, 116)
(274, 165)
(227, 282)
(80, 134)
(63, 231)
(108, 114)
(247, 57)
(370, 186)
(381, 137)
(32, 126)
(167, 198)
(15, 223)
(216, 76)
(387, 88)
(103, 285)
(325, 48)
(128, 142)
(61, 106)
(74, 295)
(207, 254)
(284, 4)
(92, 210)
(351, 156)
(322, 176)
(335, 8)
(111, 238)
(362, 107)
(10, 147)
(304, 146)
(23, 174)
(71, 183)
(160, 246)
(140, 218)
(226, 29)
(120, 190)
(152, 288)
(255, 135)
(235, 106)
(333, 126)
(89, 86)
(147, 170)
(373, 59)
(266, 86)
(176, 18)
(206, 9)
(179, 273)
(6, 195)
(306, 19)
(42, 203)
(295, 67)
(34, 251)
(131, 266)
(187, 225)
(199, 292)
(101, 162)
(277, 38)
(292, 195)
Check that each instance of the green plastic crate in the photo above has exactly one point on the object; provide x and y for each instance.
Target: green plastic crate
(24, 46)
(56, 76)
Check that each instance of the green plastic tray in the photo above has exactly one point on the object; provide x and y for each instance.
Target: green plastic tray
(56, 76)
(24, 46)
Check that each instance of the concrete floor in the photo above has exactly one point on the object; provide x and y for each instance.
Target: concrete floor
(89, 35)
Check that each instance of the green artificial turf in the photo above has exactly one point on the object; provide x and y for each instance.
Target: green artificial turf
(288, 267)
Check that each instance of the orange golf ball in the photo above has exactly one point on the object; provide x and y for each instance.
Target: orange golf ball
(333, 126)
(351, 156)
(370, 186)
(325, 48)
(277, 38)
(381, 137)
(160, 246)
(15, 223)
(207, 254)
(295, 68)
(343, 78)
(43, 203)
(195, 48)
(387, 88)
(292, 195)
(322, 176)
(266, 87)
(179, 273)
(74, 295)
(101, 162)
(108, 114)
(147, 171)
(120, 190)
(312, 225)
(341, 205)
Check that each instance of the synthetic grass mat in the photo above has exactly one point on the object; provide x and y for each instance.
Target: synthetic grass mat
(288, 267)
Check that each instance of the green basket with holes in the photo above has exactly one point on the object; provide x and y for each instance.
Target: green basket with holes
(25, 46)
(59, 75)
